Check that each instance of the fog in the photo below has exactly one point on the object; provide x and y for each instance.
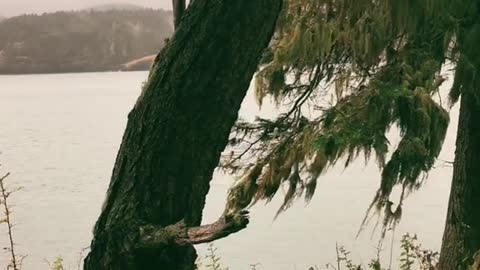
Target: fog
(17, 7)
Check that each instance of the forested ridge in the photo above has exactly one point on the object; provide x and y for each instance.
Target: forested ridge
(81, 41)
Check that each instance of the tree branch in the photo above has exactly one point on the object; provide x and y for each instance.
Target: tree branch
(153, 236)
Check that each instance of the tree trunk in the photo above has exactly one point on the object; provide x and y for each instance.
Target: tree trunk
(178, 10)
(175, 135)
(461, 239)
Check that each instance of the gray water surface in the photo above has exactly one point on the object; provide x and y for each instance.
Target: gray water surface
(59, 135)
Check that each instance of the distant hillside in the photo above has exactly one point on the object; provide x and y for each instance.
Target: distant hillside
(81, 41)
(115, 6)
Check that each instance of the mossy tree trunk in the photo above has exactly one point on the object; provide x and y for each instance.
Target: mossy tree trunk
(461, 238)
(175, 135)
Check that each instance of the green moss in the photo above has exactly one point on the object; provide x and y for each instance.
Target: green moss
(380, 61)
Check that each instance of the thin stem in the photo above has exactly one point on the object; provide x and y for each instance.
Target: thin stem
(338, 256)
(5, 195)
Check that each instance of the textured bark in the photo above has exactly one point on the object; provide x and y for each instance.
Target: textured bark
(461, 239)
(152, 236)
(178, 10)
(176, 133)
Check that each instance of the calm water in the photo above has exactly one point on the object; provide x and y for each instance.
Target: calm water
(59, 136)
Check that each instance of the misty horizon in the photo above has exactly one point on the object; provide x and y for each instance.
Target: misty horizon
(19, 7)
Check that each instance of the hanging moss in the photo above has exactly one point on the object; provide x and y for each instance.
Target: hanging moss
(381, 63)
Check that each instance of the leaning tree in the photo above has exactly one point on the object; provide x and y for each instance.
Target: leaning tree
(175, 133)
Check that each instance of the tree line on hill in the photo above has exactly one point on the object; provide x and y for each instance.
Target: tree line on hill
(82, 41)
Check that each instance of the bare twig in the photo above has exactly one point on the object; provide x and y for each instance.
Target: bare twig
(338, 256)
(14, 263)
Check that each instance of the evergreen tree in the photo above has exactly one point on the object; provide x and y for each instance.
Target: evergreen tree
(382, 61)
(174, 137)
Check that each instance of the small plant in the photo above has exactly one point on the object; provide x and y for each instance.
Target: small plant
(412, 257)
(58, 264)
(412, 252)
(342, 257)
(213, 260)
(407, 256)
(15, 259)
(343, 260)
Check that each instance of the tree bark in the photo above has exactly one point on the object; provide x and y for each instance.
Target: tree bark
(461, 239)
(178, 10)
(175, 135)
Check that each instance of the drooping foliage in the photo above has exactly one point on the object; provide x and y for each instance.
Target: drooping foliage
(381, 62)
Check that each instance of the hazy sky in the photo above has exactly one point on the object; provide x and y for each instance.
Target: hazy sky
(17, 7)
